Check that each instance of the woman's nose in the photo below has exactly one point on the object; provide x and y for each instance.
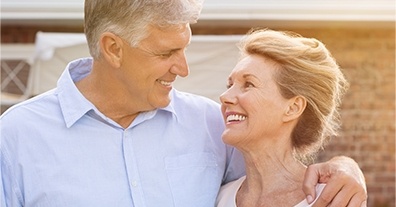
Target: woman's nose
(227, 97)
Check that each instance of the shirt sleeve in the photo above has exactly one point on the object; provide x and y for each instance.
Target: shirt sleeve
(8, 197)
(235, 165)
(2, 196)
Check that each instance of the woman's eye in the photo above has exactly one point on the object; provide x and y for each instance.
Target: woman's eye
(228, 85)
(249, 84)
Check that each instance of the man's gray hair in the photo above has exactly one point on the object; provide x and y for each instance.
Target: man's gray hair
(129, 18)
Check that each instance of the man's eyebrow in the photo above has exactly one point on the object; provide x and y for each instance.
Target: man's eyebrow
(170, 50)
(180, 48)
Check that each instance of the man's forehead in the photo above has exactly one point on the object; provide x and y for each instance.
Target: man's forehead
(172, 37)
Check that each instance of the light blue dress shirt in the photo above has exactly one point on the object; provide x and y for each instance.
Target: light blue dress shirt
(58, 150)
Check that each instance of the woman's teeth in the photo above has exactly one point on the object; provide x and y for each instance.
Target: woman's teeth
(235, 117)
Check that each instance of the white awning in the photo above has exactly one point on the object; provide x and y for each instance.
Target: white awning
(234, 12)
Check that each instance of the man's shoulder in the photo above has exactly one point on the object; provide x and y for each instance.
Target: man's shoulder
(40, 104)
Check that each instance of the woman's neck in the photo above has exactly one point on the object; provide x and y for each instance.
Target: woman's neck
(273, 177)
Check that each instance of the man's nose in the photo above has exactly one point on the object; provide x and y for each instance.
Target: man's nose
(180, 67)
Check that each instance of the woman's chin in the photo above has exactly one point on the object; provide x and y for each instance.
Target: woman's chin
(229, 138)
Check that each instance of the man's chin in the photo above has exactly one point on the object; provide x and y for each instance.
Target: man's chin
(163, 103)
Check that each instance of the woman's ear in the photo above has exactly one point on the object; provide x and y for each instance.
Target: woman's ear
(111, 48)
(295, 108)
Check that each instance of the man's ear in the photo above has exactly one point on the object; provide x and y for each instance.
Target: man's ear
(295, 108)
(111, 48)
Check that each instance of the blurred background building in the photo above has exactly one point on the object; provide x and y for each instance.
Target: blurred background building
(359, 33)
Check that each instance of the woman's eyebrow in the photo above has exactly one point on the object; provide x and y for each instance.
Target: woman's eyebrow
(249, 75)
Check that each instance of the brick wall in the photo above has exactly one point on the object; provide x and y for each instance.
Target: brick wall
(27, 34)
(367, 56)
(368, 112)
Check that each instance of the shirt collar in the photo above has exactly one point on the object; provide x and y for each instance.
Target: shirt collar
(171, 105)
(73, 104)
(150, 114)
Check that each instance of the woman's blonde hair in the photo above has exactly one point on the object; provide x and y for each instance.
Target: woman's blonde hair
(129, 18)
(307, 69)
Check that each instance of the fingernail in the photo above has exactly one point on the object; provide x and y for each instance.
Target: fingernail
(309, 199)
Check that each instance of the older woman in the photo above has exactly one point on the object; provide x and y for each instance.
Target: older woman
(280, 108)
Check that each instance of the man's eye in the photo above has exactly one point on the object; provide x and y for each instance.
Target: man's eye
(165, 55)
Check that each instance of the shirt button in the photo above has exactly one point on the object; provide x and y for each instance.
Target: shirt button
(134, 183)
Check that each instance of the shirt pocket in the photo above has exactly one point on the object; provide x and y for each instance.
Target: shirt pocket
(194, 179)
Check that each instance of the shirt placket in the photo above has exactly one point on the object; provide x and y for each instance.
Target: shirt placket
(132, 171)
